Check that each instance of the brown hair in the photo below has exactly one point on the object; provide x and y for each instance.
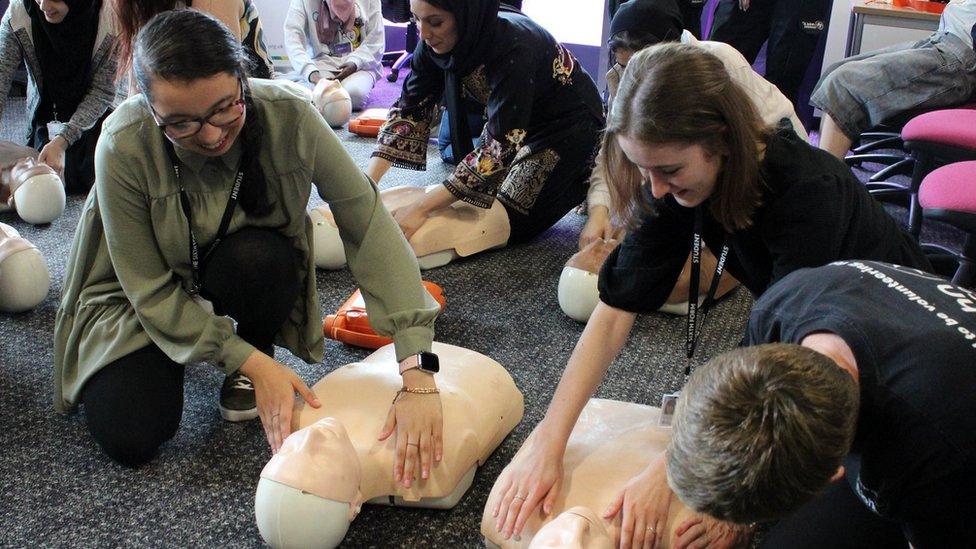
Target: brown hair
(758, 431)
(681, 94)
(132, 15)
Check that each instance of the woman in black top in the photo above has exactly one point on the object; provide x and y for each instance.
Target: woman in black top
(682, 132)
(544, 115)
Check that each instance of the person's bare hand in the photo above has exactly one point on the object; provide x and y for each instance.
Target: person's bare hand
(418, 421)
(744, 5)
(598, 226)
(703, 531)
(533, 478)
(345, 71)
(274, 390)
(643, 508)
(53, 154)
(410, 218)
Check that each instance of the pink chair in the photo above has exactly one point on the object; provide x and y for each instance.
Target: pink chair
(948, 194)
(934, 139)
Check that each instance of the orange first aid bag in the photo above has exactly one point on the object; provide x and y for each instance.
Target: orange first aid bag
(350, 324)
(368, 123)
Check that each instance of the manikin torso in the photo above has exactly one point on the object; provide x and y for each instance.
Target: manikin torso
(456, 231)
(610, 444)
(335, 463)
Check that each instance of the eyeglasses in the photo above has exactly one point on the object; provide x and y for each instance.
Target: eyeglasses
(220, 118)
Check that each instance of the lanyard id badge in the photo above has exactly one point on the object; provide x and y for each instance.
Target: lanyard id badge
(694, 326)
(195, 259)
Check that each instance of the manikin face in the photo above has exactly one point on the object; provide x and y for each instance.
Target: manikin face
(576, 528)
(54, 10)
(686, 172)
(436, 27)
(320, 460)
(208, 97)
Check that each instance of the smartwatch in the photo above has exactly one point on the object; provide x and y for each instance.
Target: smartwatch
(423, 361)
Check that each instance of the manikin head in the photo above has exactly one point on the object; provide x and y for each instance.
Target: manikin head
(575, 528)
(758, 431)
(681, 126)
(333, 101)
(578, 293)
(37, 191)
(24, 278)
(309, 491)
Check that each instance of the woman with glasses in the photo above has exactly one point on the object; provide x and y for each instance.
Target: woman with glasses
(68, 46)
(196, 223)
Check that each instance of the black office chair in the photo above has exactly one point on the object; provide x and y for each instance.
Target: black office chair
(398, 11)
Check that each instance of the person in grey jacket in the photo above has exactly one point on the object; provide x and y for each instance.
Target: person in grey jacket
(68, 47)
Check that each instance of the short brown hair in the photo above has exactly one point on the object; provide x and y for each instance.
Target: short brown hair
(759, 431)
(679, 93)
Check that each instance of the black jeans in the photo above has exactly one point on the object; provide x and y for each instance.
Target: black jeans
(134, 404)
(793, 28)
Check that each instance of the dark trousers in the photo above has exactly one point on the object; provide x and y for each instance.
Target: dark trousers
(134, 404)
(79, 158)
(792, 27)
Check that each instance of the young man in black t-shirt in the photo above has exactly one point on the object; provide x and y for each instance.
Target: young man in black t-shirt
(852, 413)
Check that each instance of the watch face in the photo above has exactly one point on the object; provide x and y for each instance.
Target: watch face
(429, 362)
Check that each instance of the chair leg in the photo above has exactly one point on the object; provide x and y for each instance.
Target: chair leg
(879, 158)
(924, 163)
(902, 167)
(966, 274)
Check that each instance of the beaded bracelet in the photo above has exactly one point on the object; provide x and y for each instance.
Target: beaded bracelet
(416, 391)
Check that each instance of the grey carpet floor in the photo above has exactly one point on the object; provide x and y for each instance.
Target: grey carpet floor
(57, 489)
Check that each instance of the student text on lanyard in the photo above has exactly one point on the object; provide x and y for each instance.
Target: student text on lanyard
(195, 259)
(694, 328)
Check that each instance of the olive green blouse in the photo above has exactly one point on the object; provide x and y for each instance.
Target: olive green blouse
(128, 273)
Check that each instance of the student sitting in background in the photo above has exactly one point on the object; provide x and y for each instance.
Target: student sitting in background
(338, 40)
(860, 92)
(69, 49)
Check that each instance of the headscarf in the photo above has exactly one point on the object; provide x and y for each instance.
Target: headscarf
(476, 22)
(64, 54)
(335, 13)
(659, 18)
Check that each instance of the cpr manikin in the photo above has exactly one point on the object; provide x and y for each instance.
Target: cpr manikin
(33, 189)
(457, 231)
(333, 101)
(24, 278)
(611, 442)
(578, 293)
(314, 486)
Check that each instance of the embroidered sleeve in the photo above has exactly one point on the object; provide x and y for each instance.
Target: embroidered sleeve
(403, 137)
(477, 178)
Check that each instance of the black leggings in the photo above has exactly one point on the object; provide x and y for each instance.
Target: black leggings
(134, 404)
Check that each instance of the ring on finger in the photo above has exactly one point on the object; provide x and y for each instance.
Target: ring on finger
(522, 498)
(413, 444)
(650, 529)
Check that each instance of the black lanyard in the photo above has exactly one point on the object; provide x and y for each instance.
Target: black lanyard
(224, 222)
(694, 327)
